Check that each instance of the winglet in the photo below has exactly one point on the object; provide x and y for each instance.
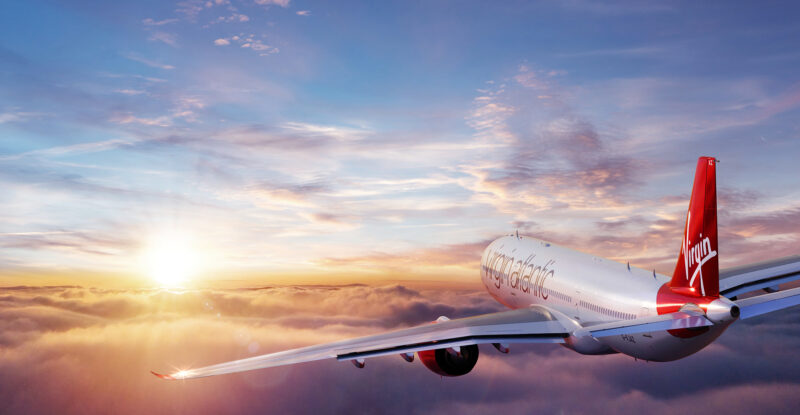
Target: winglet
(166, 377)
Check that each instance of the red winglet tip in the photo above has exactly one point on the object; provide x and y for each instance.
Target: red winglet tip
(167, 377)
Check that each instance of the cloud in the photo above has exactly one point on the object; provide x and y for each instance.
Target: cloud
(258, 46)
(303, 13)
(151, 22)
(747, 237)
(17, 116)
(550, 156)
(80, 242)
(464, 255)
(190, 9)
(248, 42)
(167, 38)
(89, 349)
(616, 7)
(489, 119)
(153, 64)
(316, 130)
(162, 121)
(635, 51)
(656, 118)
(235, 17)
(786, 221)
(282, 3)
(130, 91)
(297, 195)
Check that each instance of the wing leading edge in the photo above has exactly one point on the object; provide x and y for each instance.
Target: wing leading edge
(528, 325)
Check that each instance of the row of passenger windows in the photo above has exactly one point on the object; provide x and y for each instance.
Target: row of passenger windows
(607, 311)
(561, 296)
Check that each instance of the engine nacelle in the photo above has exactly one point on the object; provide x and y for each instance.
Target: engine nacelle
(449, 363)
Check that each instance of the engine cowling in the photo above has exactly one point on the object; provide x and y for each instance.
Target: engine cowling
(448, 363)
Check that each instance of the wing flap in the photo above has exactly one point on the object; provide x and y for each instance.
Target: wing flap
(677, 320)
(755, 306)
(455, 342)
(535, 324)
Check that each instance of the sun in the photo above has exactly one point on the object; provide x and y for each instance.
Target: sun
(170, 259)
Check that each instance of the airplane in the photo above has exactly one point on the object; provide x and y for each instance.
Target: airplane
(589, 304)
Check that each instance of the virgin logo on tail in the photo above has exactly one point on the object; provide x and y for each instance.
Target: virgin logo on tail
(698, 254)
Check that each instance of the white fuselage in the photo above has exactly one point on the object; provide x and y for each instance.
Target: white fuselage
(584, 290)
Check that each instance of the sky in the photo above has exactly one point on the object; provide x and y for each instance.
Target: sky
(288, 140)
(373, 149)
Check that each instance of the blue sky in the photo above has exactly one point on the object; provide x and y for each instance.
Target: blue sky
(351, 140)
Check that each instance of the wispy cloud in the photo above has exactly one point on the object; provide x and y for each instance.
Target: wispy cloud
(161, 121)
(562, 161)
(489, 116)
(282, 3)
(17, 116)
(151, 63)
(616, 7)
(190, 9)
(78, 242)
(248, 42)
(130, 91)
(82, 148)
(152, 22)
(235, 17)
(463, 255)
(164, 37)
(336, 132)
(635, 51)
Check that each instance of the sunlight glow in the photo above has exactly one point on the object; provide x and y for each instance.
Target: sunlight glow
(170, 258)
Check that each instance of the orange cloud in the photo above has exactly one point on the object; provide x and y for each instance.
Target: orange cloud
(85, 350)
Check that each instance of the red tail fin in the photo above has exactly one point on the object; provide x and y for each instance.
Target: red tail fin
(697, 271)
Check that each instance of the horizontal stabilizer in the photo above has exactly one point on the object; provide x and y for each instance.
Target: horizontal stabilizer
(755, 306)
(752, 277)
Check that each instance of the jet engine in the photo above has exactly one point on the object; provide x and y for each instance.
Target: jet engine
(452, 361)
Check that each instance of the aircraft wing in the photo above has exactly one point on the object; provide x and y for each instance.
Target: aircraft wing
(528, 325)
(755, 306)
(535, 324)
(751, 277)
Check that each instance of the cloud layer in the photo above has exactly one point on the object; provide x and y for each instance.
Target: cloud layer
(84, 350)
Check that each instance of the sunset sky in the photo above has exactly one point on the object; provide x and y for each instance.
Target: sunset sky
(325, 139)
(281, 143)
